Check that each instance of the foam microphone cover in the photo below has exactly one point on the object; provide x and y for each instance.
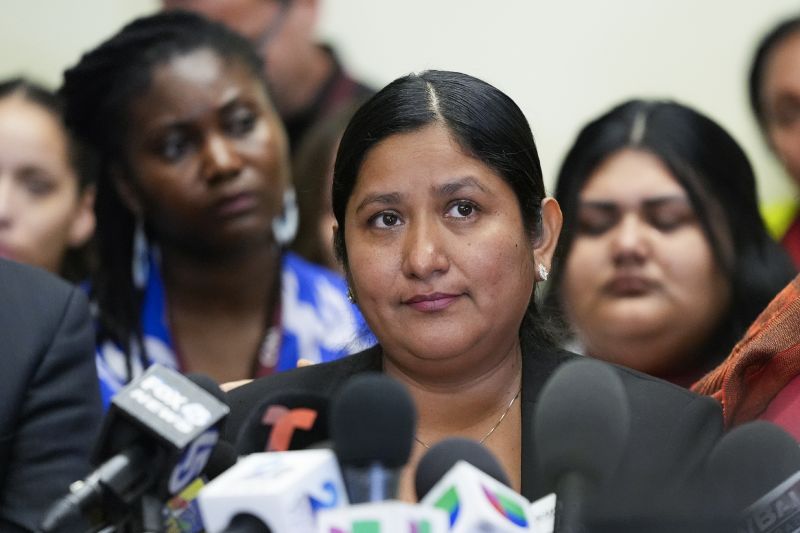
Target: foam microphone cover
(445, 454)
(222, 458)
(287, 420)
(247, 523)
(207, 384)
(211, 387)
(373, 420)
(581, 422)
(749, 461)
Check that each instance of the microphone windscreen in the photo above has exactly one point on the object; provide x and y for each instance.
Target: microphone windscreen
(285, 421)
(444, 455)
(749, 461)
(372, 420)
(581, 421)
(247, 523)
(207, 384)
(211, 387)
(223, 456)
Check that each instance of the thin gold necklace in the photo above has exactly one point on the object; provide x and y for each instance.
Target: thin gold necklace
(494, 427)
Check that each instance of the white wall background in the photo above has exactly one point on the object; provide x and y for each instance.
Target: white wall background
(562, 62)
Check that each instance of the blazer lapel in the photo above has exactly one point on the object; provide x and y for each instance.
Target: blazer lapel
(537, 367)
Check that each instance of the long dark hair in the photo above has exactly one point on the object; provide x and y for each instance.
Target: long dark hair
(76, 264)
(486, 124)
(758, 68)
(98, 93)
(720, 184)
(310, 172)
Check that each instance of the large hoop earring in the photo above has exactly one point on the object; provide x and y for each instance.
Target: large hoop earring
(140, 259)
(284, 227)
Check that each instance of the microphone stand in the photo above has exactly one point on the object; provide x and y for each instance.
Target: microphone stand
(148, 517)
(572, 488)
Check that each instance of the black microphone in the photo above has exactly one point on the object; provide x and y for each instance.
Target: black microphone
(287, 420)
(581, 427)
(156, 438)
(246, 523)
(372, 425)
(442, 456)
(753, 475)
(222, 457)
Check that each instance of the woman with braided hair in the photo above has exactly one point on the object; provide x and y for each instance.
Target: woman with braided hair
(194, 207)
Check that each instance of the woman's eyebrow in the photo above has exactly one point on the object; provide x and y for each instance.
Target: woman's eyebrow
(452, 187)
(665, 200)
(446, 189)
(389, 198)
(600, 205)
(646, 203)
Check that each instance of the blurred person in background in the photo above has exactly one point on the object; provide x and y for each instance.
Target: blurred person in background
(312, 170)
(774, 85)
(760, 379)
(664, 260)
(307, 82)
(196, 209)
(46, 184)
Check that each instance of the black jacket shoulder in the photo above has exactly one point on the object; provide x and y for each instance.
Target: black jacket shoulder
(323, 378)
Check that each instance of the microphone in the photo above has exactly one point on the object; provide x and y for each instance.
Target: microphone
(581, 427)
(222, 457)
(464, 479)
(284, 490)
(384, 517)
(777, 511)
(372, 425)
(247, 523)
(442, 456)
(183, 510)
(285, 421)
(156, 438)
(754, 475)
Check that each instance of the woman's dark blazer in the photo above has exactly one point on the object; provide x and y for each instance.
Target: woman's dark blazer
(672, 429)
(50, 407)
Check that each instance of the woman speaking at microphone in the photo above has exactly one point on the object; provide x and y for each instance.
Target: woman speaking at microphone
(444, 231)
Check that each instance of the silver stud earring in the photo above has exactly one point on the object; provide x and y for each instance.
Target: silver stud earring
(350, 296)
(543, 272)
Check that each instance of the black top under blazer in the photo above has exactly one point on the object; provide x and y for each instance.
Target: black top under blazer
(672, 429)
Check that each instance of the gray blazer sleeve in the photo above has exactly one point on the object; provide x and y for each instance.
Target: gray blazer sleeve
(50, 394)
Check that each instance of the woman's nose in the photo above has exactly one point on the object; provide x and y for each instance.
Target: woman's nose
(222, 159)
(629, 240)
(424, 252)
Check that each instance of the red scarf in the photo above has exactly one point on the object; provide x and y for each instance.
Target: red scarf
(762, 363)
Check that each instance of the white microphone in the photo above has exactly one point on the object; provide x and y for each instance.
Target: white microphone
(389, 516)
(475, 501)
(542, 514)
(284, 490)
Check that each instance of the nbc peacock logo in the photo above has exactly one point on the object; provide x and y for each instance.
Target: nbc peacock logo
(506, 507)
(450, 504)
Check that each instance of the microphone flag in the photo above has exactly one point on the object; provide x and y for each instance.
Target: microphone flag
(285, 490)
(475, 501)
(390, 516)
